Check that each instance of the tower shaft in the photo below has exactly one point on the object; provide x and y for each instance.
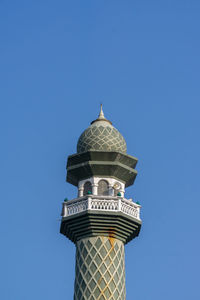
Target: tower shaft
(100, 269)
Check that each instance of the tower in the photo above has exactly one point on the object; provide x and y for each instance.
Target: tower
(100, 221)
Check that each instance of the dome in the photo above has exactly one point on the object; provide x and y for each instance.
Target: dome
(101, 136)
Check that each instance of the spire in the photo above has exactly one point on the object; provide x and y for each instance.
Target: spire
(101, 114)
(101, 117)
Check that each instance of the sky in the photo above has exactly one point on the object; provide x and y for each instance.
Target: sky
(58, 61)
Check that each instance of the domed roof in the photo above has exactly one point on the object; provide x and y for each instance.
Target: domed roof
(101, 136)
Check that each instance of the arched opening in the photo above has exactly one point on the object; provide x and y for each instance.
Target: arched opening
(87, 188)
(103, 188)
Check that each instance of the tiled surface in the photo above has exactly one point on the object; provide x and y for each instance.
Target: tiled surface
(102, 138)
(100, 269)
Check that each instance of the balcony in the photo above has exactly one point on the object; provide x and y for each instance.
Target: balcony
(101, 204)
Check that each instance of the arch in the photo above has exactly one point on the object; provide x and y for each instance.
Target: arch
(103, 187)
(87, 188)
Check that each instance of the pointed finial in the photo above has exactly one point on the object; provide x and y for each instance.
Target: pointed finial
(101, 114)
(101, 117)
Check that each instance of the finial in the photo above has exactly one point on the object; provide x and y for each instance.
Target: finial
(101, 114)
(101, 117)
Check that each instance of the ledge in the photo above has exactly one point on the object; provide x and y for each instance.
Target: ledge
(97, 215)
(97, 163)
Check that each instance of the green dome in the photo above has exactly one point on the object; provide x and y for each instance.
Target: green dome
(101, 136)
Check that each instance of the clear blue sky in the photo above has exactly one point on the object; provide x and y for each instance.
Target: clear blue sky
(58, 61)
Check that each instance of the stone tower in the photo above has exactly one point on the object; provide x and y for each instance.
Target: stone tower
(100, 221)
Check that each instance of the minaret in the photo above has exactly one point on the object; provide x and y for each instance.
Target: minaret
(100, 221)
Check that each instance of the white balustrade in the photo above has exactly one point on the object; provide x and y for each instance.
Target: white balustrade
(101, 203)
(131, 210)
(76, 207)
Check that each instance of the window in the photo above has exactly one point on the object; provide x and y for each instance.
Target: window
(103, 188)
(87, 188)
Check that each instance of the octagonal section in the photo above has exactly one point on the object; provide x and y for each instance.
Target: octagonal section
(95, 216)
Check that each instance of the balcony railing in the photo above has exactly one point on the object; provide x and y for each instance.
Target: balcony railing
(101, 203)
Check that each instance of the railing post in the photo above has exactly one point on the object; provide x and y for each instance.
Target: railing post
(138, 212)
(89, 202)
(65, 210)
(120, 204)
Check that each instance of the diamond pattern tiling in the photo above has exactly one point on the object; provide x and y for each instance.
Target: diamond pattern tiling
(100, 269)
(104, 138)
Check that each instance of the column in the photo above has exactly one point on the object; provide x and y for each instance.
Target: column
(100, 269)
(95, 188)
(80, 191)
